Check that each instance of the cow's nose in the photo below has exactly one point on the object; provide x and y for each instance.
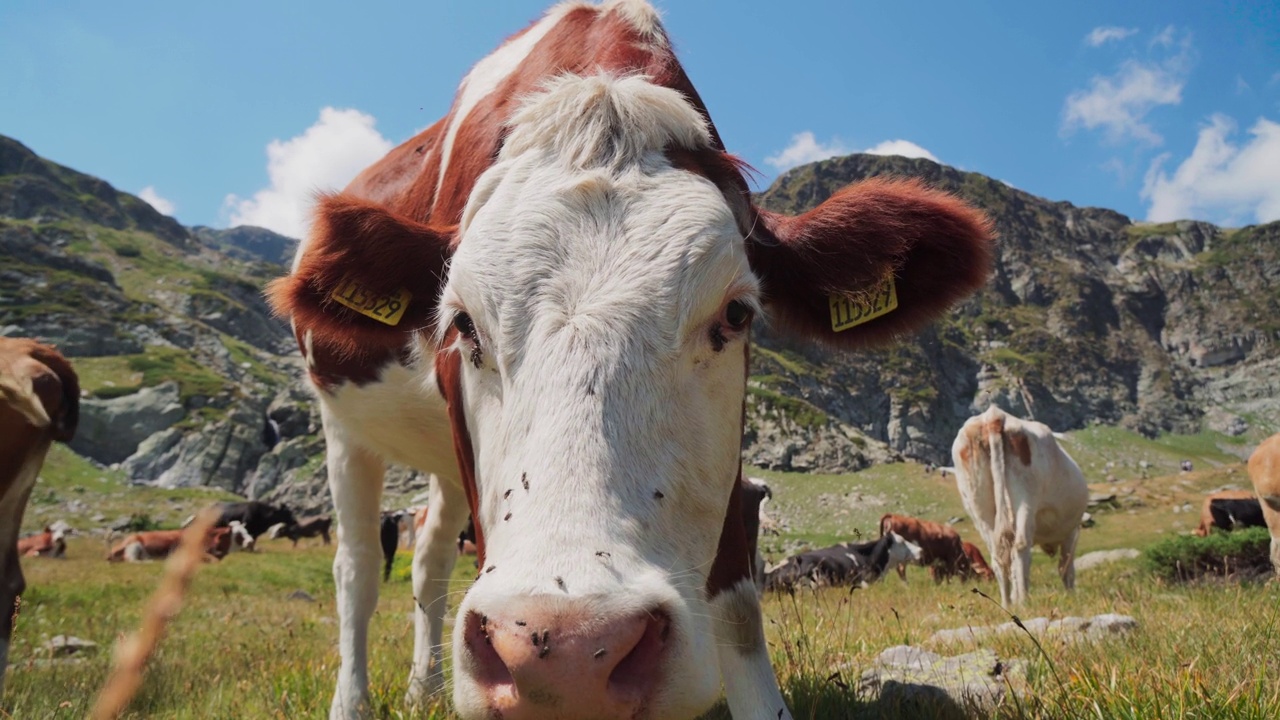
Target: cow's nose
(531, 663)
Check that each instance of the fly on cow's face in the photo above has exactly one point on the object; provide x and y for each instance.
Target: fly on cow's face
(524, 480)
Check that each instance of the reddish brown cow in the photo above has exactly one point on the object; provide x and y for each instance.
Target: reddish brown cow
(546, 299)
(940, 545)
(39, 404)
(47, 543)
(1206, 517)
(977, 565)
(157, 544)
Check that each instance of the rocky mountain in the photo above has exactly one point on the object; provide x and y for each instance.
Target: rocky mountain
(1089, 318)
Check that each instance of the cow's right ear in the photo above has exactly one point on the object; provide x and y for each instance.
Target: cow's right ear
(366, 276)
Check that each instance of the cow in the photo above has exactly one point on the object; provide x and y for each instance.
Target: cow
(847, 564)
(39, 405)
(257, 517)
(1021, 489)
(1264, 472)
(977, 565)
(546, 299)
(1237, 513)
(940, 546)
(158, 544)
(389, 538)
(310, 527)
(46, 543)
(1207, 520)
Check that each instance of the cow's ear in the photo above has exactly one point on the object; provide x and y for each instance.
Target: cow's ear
(62, 403)
(366, 276)
(877, 260)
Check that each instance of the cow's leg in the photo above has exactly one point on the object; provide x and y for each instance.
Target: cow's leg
(1024, 531)
(434, 554)
(1067, 559)
(750, 685)
(355, 480)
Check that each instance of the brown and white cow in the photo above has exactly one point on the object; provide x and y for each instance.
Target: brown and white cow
(46, 543)
(546, 299)
(1021, 489)
(940, 546)
(39, 403)
(160, 544)
(1206, 508)
(1264, 471)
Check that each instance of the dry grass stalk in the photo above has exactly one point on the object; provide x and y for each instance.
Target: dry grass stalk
(134, 650)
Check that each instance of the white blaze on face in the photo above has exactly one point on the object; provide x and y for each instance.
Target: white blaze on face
(605, 381)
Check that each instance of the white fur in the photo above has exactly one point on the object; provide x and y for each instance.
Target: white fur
(400, 418)
(588, 262)
(240, 537)
(1015, 506)
(749, 683)
(593, 288)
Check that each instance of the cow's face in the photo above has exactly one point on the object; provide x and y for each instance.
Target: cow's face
(600, 319)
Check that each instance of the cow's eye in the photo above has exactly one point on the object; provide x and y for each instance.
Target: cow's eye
(462, 322)
(737, 314)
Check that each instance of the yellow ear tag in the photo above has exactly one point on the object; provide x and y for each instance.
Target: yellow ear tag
(882, 300)
(383, 308)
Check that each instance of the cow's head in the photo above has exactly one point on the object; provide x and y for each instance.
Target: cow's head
(592, 344)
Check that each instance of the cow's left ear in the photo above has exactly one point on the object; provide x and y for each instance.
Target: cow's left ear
(879, 259)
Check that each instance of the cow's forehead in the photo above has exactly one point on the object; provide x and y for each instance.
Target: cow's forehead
(648, 245)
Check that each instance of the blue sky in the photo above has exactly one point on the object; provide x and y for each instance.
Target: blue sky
(237, 111)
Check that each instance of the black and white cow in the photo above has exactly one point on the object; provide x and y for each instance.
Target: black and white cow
(852, 564)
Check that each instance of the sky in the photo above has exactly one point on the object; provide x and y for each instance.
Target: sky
(237, 112)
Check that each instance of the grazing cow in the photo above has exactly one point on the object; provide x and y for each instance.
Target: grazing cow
(47, 543)
(546, 298)
(158, 544)
(389, 537)
(1264, 471)
(1237, 514)
(305, 528)
(1207, 520)
(39, 404)
(1021, 489)
(852, 564)
(257, 517)
(976, 565)
(940, 546)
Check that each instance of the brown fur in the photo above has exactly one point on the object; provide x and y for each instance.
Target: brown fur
(938, 248)
(158, 544)
(41, 544)
(941, 547)
(977, 563)
(1020, 446)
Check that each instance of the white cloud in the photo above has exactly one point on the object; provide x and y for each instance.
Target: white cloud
(1107, 33)
(163, 206)
(326, 156)
(905, 148)
(1119, 103)
(1220, 181)
(1165, 37)
(804, 148)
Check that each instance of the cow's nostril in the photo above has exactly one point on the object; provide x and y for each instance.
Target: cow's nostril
(490, 670)
(636, 675)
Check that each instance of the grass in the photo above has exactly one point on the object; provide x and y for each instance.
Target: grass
(240, 648)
